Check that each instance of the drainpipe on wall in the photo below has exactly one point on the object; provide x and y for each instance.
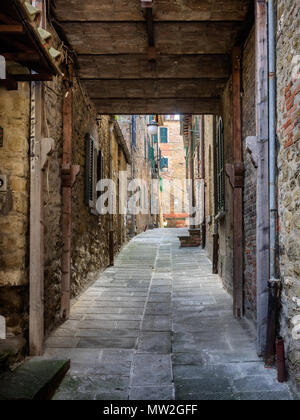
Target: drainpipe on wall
(274, 282)
(111, 217)
(203, 170)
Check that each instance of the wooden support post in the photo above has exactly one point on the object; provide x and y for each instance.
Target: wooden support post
(238, 175)
(69, 173)
(36, 272)
(263, 228)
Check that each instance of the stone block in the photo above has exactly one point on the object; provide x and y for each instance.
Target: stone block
(36, 379)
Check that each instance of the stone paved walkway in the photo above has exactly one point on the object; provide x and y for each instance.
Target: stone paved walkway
(159, 326)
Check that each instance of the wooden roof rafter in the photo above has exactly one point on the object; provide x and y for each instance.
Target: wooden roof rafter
(23, 41)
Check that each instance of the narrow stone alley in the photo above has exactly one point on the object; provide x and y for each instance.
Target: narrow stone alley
(159, 326)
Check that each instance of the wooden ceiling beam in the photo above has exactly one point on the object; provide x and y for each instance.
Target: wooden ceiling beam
(11, 29)
(158, 88)
(167, 67)
(163, 10)
(29, 57)
(170, 38)
(132, 106)
(42, 77)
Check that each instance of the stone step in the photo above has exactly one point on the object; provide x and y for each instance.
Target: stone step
(189, 241)
(36, 379)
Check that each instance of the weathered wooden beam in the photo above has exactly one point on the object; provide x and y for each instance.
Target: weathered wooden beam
(31, 56)
(170, 38)
(159, 88)
(158, 106)
(31, 77)
(164, 10)
(11, 29)
(134, 66)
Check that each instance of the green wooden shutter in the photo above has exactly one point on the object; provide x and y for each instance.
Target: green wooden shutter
(163, 135)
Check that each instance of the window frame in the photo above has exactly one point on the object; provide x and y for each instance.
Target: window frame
(220, 168)
(167, 130)
(93, 173)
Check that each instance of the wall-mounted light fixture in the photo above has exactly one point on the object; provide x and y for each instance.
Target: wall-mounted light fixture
(152, 128)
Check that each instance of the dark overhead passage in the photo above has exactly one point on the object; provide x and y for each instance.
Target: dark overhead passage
(170, 57)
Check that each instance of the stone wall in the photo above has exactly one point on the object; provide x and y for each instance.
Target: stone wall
(288, 110)
(209, 122)
(225, 263)
(53, 203)
(250, 181)
(89, 232)
(14, 207)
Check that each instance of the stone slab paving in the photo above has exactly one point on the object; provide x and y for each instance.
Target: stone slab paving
(159, 326)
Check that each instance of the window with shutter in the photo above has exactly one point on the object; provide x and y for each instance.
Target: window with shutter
(163, 132)
(164, 163)
(100, 170)
(93, 172)
(89, 170)
(220, 168)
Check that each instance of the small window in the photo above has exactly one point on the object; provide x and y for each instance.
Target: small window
(220, 181)
(164, 163)
(164, 134)
(94, 172)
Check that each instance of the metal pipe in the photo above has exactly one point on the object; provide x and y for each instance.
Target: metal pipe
(281, 368)
(272, 140)
(274, 283)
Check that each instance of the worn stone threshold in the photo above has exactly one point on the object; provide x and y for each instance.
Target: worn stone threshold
(36, 379)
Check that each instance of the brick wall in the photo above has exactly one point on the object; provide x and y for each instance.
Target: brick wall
(288, 106)
(249, 129)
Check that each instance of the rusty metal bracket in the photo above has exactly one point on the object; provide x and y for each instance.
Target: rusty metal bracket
(69, 174)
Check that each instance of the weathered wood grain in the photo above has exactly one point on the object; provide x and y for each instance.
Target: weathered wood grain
(163, 10)
(134, 66)
(158, 88)
(170, 38)
(159, 106)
